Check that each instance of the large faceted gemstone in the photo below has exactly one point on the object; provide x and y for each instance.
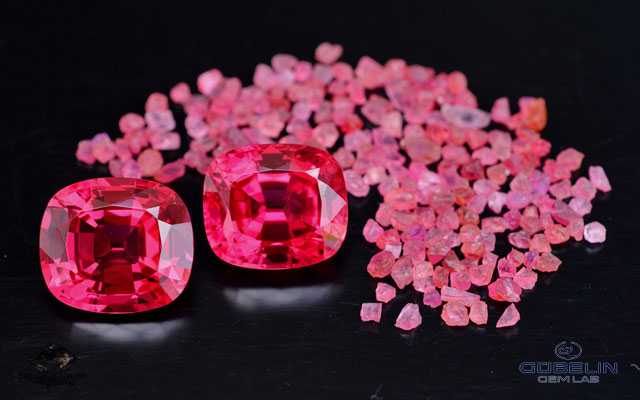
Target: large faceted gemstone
(275, 206)
(116, 245)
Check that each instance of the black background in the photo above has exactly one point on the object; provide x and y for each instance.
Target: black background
(70, 69)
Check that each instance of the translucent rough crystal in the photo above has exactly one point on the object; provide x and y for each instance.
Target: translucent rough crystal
(465, 117)
(599, 178)
(525, 278)
(385, 292)
(380, 264)
(409, 317)
(547, 262)
(372, 231)
(355, 184)
(478, 313)
(570, 158)
(432, 297)
(151, 162)
(455, 314)
(402, 272)
(275, 206)
(136, 242)
(505, 289)
(170, 172)
(84, 152)
(371, 312)
(452, 294)
(595, 232)
(509, 317)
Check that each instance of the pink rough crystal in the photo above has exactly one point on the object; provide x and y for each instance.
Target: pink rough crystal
(371, 312)
(478, 313)
(372, 231)
(599, 178)
(402, 272)
(525, 278)
(409, 317)
(85, 152)
(432, 297)
(151, 162)
(547, 263)
(380, 264)
(509, 317)
(452, 294)
(384, 292)
(455, 314)
(505, 289)
(170, 172)
(595, 232)
(328, 53)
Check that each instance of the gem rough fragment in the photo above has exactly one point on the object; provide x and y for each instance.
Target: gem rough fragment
(385, 292)
(409, 317)
(509, 317)
(595, 232)
(275, 206)
(371, 312)
(455, 314)
(599, 178)
(116, 245)
(478, 313)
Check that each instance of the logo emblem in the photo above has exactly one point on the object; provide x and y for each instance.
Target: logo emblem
(568, 350)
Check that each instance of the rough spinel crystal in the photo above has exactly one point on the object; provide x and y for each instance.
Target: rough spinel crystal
(116, 245)
(275, 206)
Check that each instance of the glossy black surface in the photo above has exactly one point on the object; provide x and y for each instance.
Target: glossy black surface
(71, 70)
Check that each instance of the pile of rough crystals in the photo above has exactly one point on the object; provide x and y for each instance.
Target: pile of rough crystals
(449, 186)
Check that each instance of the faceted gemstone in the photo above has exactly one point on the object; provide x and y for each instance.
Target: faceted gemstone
(455, 314)
(409, 317)
(478, 313)
(275, 206)
(595, 232)
(385, 292)
(371, 312)
(116, 245)
(509, 317)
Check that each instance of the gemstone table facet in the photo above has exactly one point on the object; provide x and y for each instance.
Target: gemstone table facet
(275, 206)
(116, 245)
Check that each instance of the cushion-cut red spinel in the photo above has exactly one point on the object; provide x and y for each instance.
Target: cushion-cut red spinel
(116, 245)
(275, 206)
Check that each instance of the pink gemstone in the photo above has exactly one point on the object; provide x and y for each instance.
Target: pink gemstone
(116, 245)
(460, 280)
(465, 117)
(385, 292)
(478, 313)
(501, 112)
(583, 188)
(432, 297)
(409, 317)
(372, 231)
(402, 272)
(455, 314)
(355, 184)
(547, 262)
(371, 312)
(380, 264)
(85, 152)
(570, 158)
(327, 53)
(461, 296)
(599, 178)
(151, 162)
(509, 317)
(170, 172)
(556, 234)
(505, 289)
(595, 232)
(275, 206)
(526, 278)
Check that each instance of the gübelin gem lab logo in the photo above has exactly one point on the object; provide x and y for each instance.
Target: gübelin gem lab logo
(569, 369)
(50, 366)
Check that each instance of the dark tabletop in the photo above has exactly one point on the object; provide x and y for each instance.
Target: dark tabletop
(69, 70)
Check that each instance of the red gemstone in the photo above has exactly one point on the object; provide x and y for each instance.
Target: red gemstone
(116, 245)
(275, 206)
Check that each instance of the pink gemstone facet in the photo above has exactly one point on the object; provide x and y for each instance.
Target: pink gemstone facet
(275, 206)
(116, 245)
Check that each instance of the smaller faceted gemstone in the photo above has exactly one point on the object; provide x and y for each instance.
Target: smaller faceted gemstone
(116, 245)
(409, 317)
(385, 292)
(372, 231)
(478, 312)
(276, 206)
(547, 262)
(599, 178)
(432, 297)
(509, 317)
(505, 289)
(455, 314)
(371, 312)
(525, 278)
(380, 264)
(402, 272)
(595, 232)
